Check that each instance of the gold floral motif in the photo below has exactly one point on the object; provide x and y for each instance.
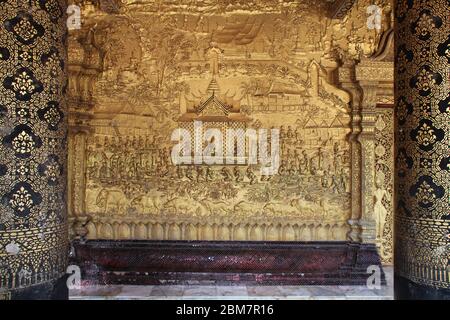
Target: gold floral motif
(425, 163)
(23, 143)
(425, 25)
(25, 55)
(425, 80)
(424, 54)
(52, 170)
(425, 193)
(25, 29)
(23, 83)
(23, 170)
(53, 64)
(21, 200)
(52, 116)
(424, 109)
(53, 8)
(425, 135)
(22, 112)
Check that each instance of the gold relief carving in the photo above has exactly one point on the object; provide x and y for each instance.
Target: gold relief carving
(348, 83)
(367, 190)
(387, 100)
(367, 140)
(384, 181)
(79, 172)
(375, 71)
(161, 76)
(77, 178)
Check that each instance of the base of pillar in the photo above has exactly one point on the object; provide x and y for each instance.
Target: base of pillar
(405, 289)
(51, 290)
(224, 263)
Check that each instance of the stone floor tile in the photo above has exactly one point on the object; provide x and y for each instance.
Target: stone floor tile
(235, 291)
(325, 291)
(264, 291)
(167, 291)
(207, 291)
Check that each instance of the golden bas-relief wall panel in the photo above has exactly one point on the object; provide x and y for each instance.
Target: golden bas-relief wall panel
(384, 182)
(142, 71)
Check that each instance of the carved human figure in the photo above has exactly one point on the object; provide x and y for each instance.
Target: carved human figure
(237, 175)
(200, 174)
(379, 209)
(251, 176)
(313, 75)
(325, 179)
(304, 162)
(226, 174)
(209, 174)
(180, 172)
(368, 46)
(213, 55)
(189, 173)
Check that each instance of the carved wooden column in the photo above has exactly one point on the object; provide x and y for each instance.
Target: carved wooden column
(367, 140)
(364, 82)
(348, 83)
(422, 226)
(77, 180)
(33, 138)
(371, 76)
(83, 69)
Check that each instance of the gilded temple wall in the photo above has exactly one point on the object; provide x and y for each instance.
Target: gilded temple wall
(274, 65)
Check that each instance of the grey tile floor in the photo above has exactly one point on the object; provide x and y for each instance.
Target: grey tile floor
(213, 292)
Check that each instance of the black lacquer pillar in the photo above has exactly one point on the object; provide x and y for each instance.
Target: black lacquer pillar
(422, 225)
(33, 152)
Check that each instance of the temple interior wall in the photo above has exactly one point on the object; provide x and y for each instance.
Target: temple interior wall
(137, 72)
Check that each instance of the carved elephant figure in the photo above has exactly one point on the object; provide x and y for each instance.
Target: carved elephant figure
(331, 211)
(145, 204)
(180, 206)
(219, 207)
(306, 209)
(279, 208)
(245, 208)
(112, 201)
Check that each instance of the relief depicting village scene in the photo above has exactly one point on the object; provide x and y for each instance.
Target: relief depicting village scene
(271, 67)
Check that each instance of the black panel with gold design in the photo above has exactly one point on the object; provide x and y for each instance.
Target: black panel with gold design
(423, 182)
(33, 139)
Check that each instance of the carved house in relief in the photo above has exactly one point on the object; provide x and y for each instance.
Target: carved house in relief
(278, 96)
(216, 111)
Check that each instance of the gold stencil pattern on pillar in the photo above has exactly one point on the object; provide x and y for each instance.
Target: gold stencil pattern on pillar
(423, 180)
(33, 230)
